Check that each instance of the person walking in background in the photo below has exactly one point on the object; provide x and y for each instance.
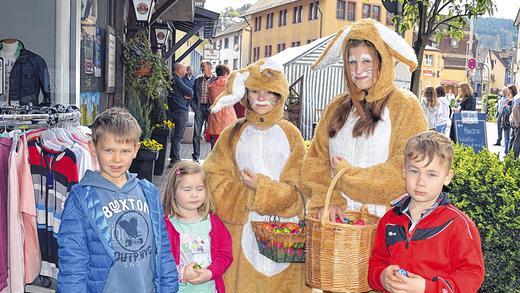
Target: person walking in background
(218, 121)
(189, 78)
(500, 106)
(443, 115)
(178, 103)
(466, 99)
(506, 113)
(430, 106)
(200, 104)
(515, 127)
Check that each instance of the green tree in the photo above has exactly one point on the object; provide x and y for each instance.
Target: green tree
(437, 19)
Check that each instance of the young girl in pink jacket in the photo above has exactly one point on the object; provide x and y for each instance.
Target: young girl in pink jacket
(200, 243)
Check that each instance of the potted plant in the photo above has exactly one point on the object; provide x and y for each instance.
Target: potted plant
(144, 162)
(161, 133)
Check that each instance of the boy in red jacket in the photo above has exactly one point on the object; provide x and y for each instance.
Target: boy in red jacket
(425, 244)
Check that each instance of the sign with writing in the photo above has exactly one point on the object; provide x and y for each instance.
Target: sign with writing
(211, 54)
(470, 131)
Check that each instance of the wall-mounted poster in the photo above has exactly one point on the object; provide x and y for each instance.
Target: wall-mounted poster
(89, 107)
(110, 63)
(98, 53)
(88, 47)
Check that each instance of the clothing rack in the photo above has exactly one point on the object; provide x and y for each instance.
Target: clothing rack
(50, 119)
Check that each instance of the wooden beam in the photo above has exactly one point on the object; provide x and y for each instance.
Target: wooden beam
(189, 51)
(184, 39)
(162, 10)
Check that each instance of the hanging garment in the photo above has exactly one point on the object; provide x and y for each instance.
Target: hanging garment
(5, 149)
(53, 173)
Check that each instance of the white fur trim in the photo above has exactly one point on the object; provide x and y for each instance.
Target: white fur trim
(239, 90)
(272, 63)
(396, 42)
(334, 53)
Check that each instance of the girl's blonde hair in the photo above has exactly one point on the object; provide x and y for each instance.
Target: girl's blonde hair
(181, 169)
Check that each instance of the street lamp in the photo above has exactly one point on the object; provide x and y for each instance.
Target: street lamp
(143, 10)
(162, 32)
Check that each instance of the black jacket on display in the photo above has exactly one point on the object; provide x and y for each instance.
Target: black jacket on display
(28, 76)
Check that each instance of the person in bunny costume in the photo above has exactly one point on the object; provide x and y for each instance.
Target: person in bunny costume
(366, 128)
(254, 172)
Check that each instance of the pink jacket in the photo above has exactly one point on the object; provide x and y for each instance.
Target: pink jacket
(220, 120)
(221, 250)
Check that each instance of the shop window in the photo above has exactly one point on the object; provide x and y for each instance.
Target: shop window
(351, 11)
(340, 9)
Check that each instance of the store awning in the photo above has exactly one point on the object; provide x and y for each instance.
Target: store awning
(202, 25)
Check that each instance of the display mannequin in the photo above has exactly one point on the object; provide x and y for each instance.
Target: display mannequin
(26, 74)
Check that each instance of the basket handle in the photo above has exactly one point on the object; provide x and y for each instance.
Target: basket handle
(364, 206)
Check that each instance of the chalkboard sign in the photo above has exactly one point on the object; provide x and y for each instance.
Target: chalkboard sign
(470, 129)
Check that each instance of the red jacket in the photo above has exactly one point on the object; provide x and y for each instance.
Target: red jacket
(221, 251)
(444, 248)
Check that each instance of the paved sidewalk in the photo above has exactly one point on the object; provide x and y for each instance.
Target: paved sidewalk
(186, 151)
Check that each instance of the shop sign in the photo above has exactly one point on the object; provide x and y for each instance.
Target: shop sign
(427, 72)
(211, 54)
(2, 78)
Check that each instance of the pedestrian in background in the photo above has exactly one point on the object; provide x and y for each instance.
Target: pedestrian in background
(465, 97)
(178, 103)
(430, 106)
(200, 104)
(189, 78)
(500, 106)
(218, 121)
(443, 115)
(506, 113)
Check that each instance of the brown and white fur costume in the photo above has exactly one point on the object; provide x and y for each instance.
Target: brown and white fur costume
(235, 202)
(375, 162)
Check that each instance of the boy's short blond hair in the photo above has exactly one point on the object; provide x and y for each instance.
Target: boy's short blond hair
(117, 122)
(429, 145)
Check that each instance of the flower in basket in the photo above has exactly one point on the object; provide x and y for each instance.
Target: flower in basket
(151, 145)
(165, 124)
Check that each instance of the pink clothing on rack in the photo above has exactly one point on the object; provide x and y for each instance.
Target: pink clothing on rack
(24, 251)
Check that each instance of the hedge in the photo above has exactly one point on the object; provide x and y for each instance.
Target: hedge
(489, 106)
(488, 191)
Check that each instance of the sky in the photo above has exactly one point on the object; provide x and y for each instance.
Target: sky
(506, 8)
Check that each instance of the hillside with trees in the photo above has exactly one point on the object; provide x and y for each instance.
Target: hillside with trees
(496, 33)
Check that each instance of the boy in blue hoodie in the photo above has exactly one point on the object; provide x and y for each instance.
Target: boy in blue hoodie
(112, 236)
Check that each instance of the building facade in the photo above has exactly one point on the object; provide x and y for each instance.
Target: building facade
(233, 45)
(277, 25)
(432, 67)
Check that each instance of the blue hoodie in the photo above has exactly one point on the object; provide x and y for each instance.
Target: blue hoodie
(91, 253)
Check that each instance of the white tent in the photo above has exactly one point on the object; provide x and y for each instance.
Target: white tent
(317, 88)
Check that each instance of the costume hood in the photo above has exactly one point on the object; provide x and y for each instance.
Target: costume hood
(387, 42)
(265, 74)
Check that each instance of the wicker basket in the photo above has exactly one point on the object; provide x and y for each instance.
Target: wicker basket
(279, 247)
(337, 254)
